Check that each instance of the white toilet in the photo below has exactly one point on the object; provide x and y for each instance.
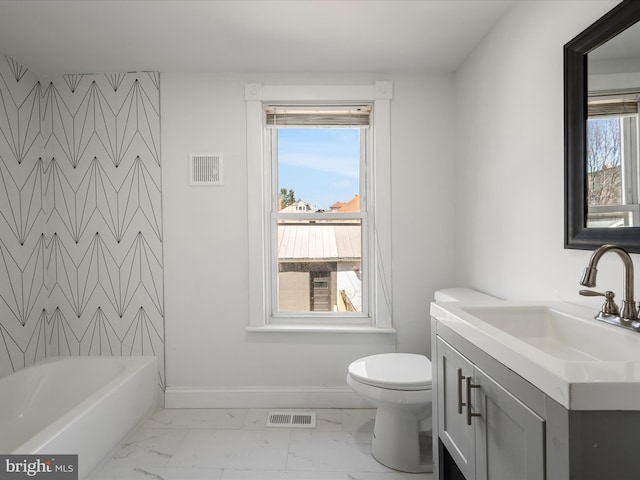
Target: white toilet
(399, 386)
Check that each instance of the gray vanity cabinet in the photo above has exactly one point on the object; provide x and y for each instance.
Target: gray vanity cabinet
(517, 431)
(488, 432)
(509, 436)
(455, 434)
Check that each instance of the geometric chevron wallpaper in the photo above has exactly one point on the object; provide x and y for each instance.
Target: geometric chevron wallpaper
(80, 216)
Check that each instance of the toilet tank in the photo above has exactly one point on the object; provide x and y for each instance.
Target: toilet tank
(462, 295)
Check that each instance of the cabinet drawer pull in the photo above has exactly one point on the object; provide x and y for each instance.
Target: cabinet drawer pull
(470, 412)
(461, 404)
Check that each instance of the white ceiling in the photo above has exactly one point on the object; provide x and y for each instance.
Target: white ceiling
(377, 36)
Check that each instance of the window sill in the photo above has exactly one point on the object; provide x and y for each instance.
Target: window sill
(293, 328)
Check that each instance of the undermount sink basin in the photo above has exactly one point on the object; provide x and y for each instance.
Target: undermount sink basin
(559, 347)
(555, 332)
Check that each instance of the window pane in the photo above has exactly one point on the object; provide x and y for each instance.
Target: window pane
(604, 162)
(319, 266)
(318, 169)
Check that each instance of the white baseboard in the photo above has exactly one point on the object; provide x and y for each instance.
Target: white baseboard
(263, 397)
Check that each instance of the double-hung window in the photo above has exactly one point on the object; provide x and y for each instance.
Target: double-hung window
(319, 200)
(318, 219)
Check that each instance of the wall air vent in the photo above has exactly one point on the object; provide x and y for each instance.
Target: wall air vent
(291, 419)
(206, 169)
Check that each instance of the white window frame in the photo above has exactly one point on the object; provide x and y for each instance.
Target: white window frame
(260, 190)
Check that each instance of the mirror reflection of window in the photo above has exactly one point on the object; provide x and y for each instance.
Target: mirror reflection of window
(612, 164)
(612, 161)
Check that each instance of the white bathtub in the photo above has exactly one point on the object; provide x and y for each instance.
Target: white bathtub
(75, 405)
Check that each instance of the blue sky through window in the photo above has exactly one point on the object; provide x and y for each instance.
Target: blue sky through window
(321, 165)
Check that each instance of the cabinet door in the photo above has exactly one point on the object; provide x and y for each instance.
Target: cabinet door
(509, 436)
(455, 434)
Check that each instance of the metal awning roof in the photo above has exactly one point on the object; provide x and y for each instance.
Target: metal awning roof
(319, 241)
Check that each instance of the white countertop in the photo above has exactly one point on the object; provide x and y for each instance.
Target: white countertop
(608, 379)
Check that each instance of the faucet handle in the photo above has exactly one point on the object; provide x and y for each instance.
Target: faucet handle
(591, 293)
(609, 307)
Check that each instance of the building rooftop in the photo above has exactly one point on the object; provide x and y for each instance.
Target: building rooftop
(319, 241)
(351, 206)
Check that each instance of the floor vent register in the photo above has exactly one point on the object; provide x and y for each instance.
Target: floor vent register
(290, 419)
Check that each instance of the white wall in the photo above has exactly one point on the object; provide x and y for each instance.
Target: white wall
(509, 162)
(205, 250)
(504, 237)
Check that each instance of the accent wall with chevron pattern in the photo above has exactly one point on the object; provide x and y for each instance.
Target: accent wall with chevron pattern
(81, 268)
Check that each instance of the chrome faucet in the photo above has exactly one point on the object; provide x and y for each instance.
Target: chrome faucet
(629, 315)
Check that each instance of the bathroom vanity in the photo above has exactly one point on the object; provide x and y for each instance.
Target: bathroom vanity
(533, 391)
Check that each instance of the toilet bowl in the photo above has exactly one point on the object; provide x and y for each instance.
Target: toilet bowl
(399, 386)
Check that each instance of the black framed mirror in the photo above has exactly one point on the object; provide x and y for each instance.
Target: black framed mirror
(587, 224)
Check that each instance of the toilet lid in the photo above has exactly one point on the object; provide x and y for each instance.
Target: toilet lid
(395, 371)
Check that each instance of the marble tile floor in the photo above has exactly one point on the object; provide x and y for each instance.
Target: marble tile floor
(226, 444)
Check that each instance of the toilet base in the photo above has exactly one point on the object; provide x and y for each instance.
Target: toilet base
(398, 443)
